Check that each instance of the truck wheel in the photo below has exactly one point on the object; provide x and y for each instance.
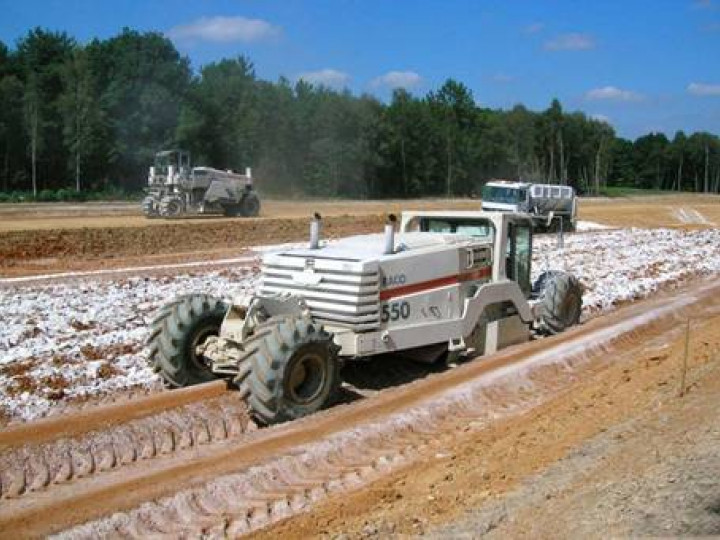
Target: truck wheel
(175, 334)
(292, 372)
(250, 205)
(560, 301)
(149, 208)
(171, 207)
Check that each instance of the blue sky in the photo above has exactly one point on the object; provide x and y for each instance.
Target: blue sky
(643, 65)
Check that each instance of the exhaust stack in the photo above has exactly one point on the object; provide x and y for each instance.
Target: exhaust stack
(248, 172)
(315, 231)
(390, 235)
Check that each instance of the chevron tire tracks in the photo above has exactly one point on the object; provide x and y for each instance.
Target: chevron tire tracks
(30, 462)
(235, 486)
(300, 475)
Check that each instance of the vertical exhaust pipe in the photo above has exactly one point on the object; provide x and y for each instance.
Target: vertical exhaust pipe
(390, 235)
(248, 172)
(315, 231)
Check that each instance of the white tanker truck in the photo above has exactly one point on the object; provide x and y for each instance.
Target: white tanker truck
(448, 284)
(550, 206)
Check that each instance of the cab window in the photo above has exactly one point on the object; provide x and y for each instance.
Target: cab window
(470, 227)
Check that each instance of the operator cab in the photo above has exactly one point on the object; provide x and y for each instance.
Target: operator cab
(170, 166)
(483, 226)
(179, 159)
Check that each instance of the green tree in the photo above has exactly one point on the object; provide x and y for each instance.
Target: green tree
(40, 57)
(218, 119)
(676, 154)
(623, 168)
(12, 141)
(143, 84)
(454, 112)
(84, 131)
(521, 126)
(650, 160)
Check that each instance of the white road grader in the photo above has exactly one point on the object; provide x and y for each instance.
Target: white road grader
(447, 284)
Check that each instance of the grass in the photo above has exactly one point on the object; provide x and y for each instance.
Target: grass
(621, 191)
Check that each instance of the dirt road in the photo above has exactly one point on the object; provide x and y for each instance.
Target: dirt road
(56, 239)
(618, 453)
(23, 217)
(225, 479)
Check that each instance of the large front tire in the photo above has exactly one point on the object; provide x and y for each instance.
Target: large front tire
(150, 207)
(292, 372)
(171, 207)
(175, 334)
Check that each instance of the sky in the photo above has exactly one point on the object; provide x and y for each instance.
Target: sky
(641, 65)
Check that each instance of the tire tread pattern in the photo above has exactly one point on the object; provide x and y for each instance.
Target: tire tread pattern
(558, 310)
(261, 372)
(171, 333)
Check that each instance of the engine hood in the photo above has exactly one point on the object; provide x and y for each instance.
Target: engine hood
(369, 247)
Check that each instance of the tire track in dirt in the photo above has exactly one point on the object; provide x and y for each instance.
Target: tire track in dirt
(39, 455)
(281, 471)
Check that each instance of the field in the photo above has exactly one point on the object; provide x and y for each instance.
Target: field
(589, 425)
(40, 239)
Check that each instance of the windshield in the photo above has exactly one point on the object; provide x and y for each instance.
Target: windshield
(176, 158)
(505, 195)
(465, 226)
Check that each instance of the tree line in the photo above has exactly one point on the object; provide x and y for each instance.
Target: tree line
(92, 116)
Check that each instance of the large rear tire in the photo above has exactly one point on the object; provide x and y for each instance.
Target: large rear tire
(560, 296)
(292, 371)
(175, 334)
(250, 205)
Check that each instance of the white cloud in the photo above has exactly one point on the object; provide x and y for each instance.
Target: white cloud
(326, 77)
(534, 28)
(397, 79)
(570, 42)
(224, 30)
(702, 89)
(612, 93)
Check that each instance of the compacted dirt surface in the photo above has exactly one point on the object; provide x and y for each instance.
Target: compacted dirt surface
(44, 239)
(610, 429)
(619, 453)
(409, 459)
(52, 238)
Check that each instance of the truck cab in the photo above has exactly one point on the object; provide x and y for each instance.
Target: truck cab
(504, 196)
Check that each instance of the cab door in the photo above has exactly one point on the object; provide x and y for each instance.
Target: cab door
(519, 254)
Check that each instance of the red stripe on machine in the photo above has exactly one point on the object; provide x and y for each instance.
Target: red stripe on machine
(480, 273)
